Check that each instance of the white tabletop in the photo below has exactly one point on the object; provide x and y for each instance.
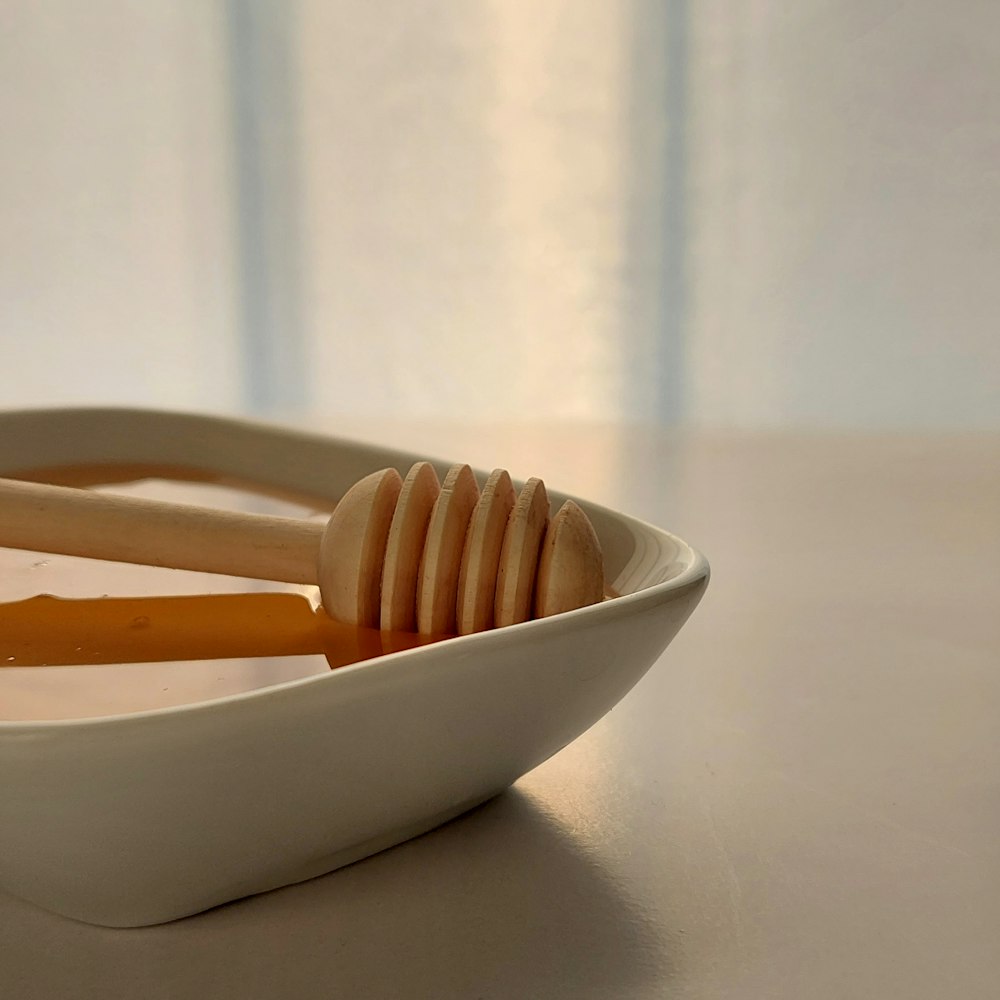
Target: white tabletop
(801, 799)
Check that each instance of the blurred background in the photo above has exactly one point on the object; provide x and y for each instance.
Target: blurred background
(723, 214)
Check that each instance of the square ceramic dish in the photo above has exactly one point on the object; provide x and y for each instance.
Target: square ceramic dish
(139, 819)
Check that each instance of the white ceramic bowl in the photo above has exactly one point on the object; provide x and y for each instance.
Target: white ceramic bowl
(142, 818)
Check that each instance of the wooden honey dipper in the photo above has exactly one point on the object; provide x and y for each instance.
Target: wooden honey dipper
(409, 554)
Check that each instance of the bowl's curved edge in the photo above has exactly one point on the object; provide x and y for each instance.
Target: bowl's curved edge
(127, 868)
(202, 438)
(135, 871)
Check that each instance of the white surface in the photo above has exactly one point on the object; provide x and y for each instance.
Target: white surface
(799, 801)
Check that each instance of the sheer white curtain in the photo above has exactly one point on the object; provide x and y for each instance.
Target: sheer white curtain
(116, 230)
(470, 191)
(749, 214)
(844, 186)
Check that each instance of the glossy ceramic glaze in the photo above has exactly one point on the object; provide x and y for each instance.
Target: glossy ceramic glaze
(137, 819)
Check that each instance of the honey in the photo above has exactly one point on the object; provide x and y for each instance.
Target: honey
(82, 638)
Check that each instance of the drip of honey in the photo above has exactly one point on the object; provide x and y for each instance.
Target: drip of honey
(82, 638)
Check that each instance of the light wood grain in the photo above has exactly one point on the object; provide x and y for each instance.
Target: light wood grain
(400, 555)
(441, 563)
(94, 525)
(353, 549)
(519, 555)
(477, 579)
(405, 546)
(570, 566)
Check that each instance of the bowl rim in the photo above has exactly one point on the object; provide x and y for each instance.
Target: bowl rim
(695, 569)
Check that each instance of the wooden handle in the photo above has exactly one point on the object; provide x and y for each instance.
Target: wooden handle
(128, 529)
(393, 552)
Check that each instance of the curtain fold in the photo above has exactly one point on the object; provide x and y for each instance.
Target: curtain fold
(755, 214)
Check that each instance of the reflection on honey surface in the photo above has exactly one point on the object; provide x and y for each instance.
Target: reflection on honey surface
(82, 638)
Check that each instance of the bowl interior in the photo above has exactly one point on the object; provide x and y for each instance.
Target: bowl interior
(638, 557)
